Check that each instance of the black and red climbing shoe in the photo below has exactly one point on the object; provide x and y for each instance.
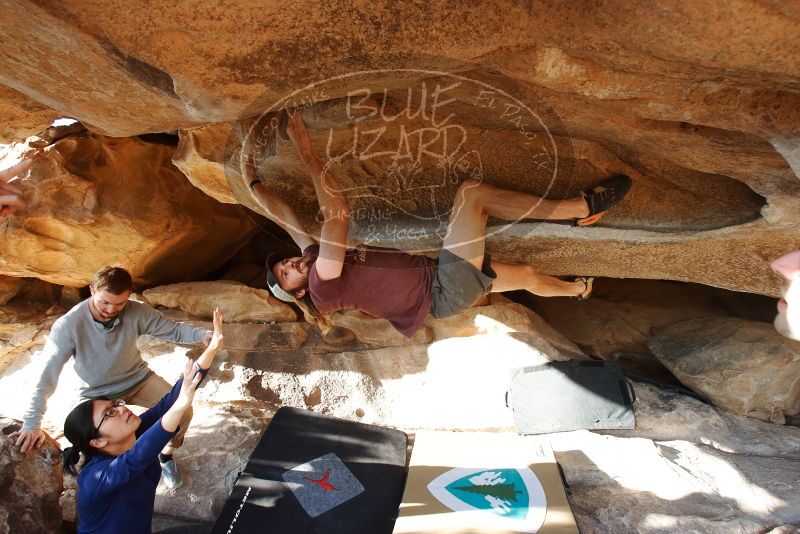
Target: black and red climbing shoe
(603, 197)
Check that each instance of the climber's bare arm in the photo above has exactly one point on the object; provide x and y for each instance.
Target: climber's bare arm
(332, 203)
(276, 209)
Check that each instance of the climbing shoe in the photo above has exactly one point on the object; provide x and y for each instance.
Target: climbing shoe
(603, 197)
(588, 283)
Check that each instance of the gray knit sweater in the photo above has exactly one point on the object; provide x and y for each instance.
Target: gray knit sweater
(107, 360)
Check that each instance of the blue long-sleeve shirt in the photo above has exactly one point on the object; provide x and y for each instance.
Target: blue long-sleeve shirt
(116, 494)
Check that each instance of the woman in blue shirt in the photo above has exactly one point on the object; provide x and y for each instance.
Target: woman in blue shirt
(118, 480)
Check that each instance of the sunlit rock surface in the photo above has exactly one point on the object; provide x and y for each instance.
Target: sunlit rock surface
(200, 155)
(21, 116)
(202, 63)
(698, 103)
(23, 327)
(622, 317)
(239, 302)
(742, 365)
(95, 201)
(688, 466)
(679, 222)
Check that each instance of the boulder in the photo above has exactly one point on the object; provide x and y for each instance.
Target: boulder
(211, 460)
(742, 365)
(458, 369)
(51, 134)
(663, 415)
(200, 155)
(622, 316)
(22, 116)
(70, 296)
(638, 485)
(96, 201)
(698, 104)
(31, 484)
(23, 326)
(697, 68)
(239, 302)
(497, 315)
(688, 466)
(679, 222)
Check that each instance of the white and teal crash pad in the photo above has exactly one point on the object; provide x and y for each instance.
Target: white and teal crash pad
(483, 483)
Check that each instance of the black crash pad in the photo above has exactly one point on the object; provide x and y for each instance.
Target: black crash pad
(312, 473)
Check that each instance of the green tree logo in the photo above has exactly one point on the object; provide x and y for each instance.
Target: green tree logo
(501, 491)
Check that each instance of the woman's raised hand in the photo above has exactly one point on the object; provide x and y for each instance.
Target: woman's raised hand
(191, 378)
(205, 359)
(216, 336)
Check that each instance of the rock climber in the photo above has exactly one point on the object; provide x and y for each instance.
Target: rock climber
(403, 288)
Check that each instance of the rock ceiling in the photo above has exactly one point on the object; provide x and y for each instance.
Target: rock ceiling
(699, 103)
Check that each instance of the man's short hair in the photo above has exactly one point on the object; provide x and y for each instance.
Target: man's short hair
(115, 280)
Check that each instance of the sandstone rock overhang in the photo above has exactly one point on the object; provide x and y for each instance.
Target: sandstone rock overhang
(700, 103)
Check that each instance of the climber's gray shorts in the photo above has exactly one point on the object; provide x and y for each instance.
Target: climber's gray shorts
(457, 284)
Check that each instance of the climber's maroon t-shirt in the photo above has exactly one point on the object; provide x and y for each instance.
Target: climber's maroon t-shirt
(382, 282)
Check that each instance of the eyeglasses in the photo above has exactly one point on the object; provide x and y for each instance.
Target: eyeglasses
(111, 411)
